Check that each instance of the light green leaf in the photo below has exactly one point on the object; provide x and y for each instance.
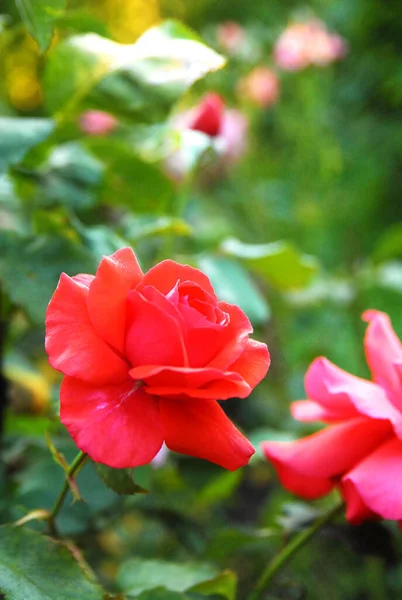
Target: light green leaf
(279, 263)
(119, 480)
(224, 586)
(39, 17)
(233, 284)
(35, 567)
(136, 576)
(18, 135)
(142, 79)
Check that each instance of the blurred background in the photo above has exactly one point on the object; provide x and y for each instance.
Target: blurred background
(265, 150)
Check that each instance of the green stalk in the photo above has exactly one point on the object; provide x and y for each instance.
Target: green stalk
(285, 555)
(73, 470)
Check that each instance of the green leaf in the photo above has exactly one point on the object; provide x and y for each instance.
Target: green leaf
(35, 567)
(233, 284)
(39, 17)
(30, 268)
(224, 586)
(119, 480)
(162, 594)
(71, 176)
(136, 576)
(129, 181)
(279, 263)
(142, 79)
(18, 135)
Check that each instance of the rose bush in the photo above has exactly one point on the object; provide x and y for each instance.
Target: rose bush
(145, 359)
(361, 451)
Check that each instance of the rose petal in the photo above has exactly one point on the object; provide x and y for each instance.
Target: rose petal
(378, 480)
(83, 279)
(201, 429)
(117, 425)
(356, 510)
(153, 335)
(116, 276)
(344, 396)
(253, 364)
(324, 455)
(236, 336)
(383, 349)
(306, 410)
(72, 344)
(165, 275)
(194, 383)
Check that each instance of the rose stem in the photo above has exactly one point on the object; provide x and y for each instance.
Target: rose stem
(290, 549)
(73, 470)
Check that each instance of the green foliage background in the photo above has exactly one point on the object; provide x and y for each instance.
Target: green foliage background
(304, 233)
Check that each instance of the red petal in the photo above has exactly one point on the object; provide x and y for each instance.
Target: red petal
(236, 337)
(116, 276)
(72, 344)
(309, 465)
(83, 279)
(116, 425)
(165, 275)
(200, 428)
(208, 116)
(383, 349)
(378, 480)
(253, 364)
(306, 410)
(194, 383)
(154, 336)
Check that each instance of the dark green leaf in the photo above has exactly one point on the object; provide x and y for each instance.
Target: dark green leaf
(71, 176)
(279, 263)
(129, 181)
(35, 567)
(39, 17)
(18, 135)
(119, 480)
(136, 576)
(233, 284)
(31, 267)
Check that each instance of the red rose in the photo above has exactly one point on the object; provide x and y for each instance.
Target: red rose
(208, 116)
(145, 359)
(361, 450)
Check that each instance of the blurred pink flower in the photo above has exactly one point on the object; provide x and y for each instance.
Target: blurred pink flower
(97, 122)
(226, 128)
(261, 86)
(231, 37)
(309, 43)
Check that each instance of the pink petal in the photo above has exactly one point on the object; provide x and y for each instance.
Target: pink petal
(253, 364)
(194, 383)
(201, 429)
(306, 410)
(378, 480)
(73, 346)
(356, 510)
(117, 425)
(154, 336)
(116, 276)
(344, 396)
(165, 275)
(383, 349)
(325, 455)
